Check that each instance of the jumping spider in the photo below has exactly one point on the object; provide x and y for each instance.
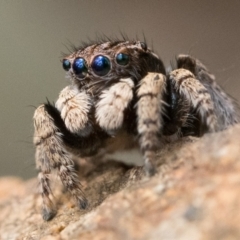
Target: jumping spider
(121, 88)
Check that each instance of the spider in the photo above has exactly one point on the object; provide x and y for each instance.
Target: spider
(120, 95)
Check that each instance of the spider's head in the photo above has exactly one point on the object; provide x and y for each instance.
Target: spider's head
(110, 61)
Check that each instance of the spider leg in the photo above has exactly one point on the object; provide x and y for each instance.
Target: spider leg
(197, 96)
(48, 209)
(225, 107)
(149, 111)
(52, 154)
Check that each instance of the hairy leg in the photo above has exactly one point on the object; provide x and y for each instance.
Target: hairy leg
(225, 107)
(50, 138)
(197, 96)
(149, 111)
(52, 154)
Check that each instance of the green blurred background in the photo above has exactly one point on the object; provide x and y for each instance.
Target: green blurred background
(34, 33)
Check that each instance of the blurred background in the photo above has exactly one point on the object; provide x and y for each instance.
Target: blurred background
(34, 33)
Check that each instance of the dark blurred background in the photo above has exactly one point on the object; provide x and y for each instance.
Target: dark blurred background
(34, 33)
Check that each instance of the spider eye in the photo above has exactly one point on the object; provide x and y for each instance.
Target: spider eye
(101, 65)
(79, 67)
(66, 64)
(122, 59)
(143, 46)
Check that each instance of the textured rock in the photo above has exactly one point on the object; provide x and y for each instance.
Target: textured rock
(195, 195)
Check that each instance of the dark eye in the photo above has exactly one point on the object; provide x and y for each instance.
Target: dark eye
(122, 59)
(101, 65)
(79, 67)
(143, 46)
(66, 64)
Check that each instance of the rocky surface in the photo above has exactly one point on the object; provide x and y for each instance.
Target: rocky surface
(195, 195)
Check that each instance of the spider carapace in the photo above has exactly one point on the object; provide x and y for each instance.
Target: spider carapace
(121, 90)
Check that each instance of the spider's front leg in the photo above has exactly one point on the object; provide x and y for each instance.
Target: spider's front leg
(149, 112)
(56, 132)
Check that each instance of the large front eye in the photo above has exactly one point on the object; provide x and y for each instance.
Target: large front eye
(122, 59)
(66, 64)
(79, 67)
(101, 65)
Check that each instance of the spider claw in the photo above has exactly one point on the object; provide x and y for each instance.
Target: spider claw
(149, 168)
(83, 203)
(48, 214)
